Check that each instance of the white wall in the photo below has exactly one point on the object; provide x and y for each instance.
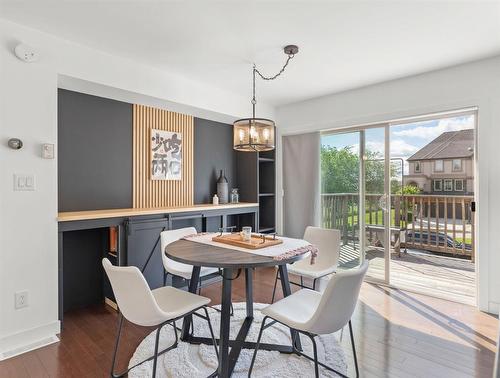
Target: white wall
(474, 84)
(28, 110)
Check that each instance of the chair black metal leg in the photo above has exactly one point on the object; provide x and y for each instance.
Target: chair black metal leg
(157, 342)
(257, 345)
(354, 349)
(212, 333)
(275, 283)
(153, 357)
(175, 332)
(315, 351)
(115, 352)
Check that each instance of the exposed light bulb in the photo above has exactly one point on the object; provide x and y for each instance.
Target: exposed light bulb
(242, 135)
(253, 132)
(265, 133)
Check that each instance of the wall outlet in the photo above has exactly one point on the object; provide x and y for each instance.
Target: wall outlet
(21, 299)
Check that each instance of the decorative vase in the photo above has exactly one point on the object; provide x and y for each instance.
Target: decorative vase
(222, 188)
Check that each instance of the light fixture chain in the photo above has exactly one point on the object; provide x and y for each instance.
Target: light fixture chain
(256, 71)
(290, 57)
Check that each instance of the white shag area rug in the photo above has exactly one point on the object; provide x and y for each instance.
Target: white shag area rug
(194, 361)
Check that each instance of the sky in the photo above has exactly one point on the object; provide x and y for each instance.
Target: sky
(405, 139)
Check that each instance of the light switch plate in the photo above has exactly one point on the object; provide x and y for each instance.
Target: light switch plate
(48, 151)
(24, 182)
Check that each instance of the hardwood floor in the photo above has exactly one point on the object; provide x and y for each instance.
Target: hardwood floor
(398, 334)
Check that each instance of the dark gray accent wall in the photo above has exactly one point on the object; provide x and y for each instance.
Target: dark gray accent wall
(94, 152)
(213, 151)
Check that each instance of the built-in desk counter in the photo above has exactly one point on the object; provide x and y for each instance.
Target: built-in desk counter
(68, 216)
(84, 241)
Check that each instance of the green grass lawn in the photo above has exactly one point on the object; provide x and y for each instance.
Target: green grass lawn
(377, 218)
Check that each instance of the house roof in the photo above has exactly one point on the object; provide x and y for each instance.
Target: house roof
(449, 145)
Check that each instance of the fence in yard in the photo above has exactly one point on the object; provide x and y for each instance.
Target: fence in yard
(437, 223)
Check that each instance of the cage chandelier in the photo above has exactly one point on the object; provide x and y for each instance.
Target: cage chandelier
(258, 134)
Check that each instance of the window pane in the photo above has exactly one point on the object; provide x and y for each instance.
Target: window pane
(457, 164)
(438, 185)
(438, 165)
(448, 185)
(459, 185)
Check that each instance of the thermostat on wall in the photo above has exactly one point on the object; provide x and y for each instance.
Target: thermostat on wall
(48, 151)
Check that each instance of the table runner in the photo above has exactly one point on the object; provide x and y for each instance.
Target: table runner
(289, 248)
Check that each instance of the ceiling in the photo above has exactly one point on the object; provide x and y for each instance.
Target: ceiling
(343, 44)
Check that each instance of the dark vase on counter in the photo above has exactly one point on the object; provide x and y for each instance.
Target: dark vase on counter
(222, 188)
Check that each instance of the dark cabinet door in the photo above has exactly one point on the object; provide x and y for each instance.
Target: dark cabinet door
(142, 237)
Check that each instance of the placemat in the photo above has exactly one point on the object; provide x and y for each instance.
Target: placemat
(289, 248)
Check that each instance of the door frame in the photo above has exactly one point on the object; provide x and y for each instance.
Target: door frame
(471, 110)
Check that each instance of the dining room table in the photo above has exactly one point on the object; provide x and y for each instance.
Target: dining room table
(233, 261)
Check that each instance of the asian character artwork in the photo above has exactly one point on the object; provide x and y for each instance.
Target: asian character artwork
(166, 155)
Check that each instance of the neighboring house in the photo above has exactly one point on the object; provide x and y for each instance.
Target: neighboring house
(445, 165)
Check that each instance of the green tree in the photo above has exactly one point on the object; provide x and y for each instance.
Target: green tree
(339, 170)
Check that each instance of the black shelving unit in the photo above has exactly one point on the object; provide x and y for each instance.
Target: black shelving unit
(256, 177)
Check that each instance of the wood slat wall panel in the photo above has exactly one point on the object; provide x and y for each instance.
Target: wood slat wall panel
(161, 193)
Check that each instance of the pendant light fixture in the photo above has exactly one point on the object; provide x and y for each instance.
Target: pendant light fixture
(258, 134)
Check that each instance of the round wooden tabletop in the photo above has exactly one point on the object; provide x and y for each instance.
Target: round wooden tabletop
(198, 254)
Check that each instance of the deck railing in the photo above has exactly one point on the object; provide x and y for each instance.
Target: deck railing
(438, 223)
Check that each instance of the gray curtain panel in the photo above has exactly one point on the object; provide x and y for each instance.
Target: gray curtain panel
(301, 183)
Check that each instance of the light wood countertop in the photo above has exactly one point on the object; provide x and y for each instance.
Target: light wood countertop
(68, 216)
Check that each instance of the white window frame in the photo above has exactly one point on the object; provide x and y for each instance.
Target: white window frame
(448, 181)
(440, 185)
(463, 185)
(453, 165)
(417, 164)
(435, 166)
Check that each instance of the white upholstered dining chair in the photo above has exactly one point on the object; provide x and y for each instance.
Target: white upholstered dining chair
(328, 243)
(179, 269)
(176, 268)
(312, 313)
(151, 308)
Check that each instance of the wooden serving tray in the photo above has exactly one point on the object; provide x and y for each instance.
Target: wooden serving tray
(254, 243)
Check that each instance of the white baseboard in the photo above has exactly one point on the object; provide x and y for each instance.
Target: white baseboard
(25, 341)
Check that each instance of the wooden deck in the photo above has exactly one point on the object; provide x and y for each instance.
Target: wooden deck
(442, 277)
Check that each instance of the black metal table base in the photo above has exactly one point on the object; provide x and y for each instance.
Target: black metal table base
(228, 358)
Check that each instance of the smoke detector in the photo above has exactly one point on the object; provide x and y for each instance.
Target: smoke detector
(26, 53)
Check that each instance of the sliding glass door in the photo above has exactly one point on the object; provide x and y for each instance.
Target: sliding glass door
(340, 192)
(355, 191)
(402, 196)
